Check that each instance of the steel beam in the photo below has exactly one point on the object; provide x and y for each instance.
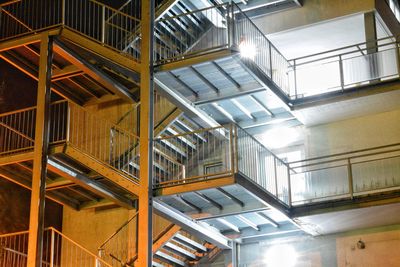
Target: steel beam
(231, 197)
(228, 224)
(180, 101)
(248, 222)
(209, 200)
(188, 203)
(26, 183)
(191, 225)
(10, 58)
(204, 79)
(145, 221)
(267, 218)
(89, 184)
(94, 72)
(39, 172)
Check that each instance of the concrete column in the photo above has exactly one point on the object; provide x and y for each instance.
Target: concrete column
(371, 46)
(36, 219)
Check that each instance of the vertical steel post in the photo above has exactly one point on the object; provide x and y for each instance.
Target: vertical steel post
(289, 187)
(103, 24)
(146, 136)
(350, 177)
(52, 247)
(276, 178)
(63, 12)
(39, 173)
(234, 254)
(397, 57)
(295, 78)
(341, 72)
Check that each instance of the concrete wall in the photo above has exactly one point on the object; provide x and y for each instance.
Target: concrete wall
(353, 134)
(381, 249)
(313, 11)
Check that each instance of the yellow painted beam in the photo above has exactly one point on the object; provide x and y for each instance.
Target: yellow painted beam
(103, 51)
(195, 186)
(26, 40)
(16, 158)
(193, 60)
(103, 169)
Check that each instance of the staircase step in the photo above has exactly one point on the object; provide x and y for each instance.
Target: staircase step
(179, 238)
(156, 264)
(179, 251)
(168, 258)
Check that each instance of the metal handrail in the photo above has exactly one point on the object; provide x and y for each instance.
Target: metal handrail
(260, 32)
(357, 46)
(342, 154)
(118, 230)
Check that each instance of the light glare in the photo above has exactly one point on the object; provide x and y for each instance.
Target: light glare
(281, 256)
(247, 50)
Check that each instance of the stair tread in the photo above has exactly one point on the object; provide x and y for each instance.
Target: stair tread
(179, 250)
(168, 258)
(179, 238)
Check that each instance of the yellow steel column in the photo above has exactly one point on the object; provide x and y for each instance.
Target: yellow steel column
(36, 220)
(146, 136)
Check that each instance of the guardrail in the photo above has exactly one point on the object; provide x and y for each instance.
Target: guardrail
(58, 250)
(91, 134)
(345, 68)
(346, 175)
(218, 152)
(120, 249)
(95, 20)
(17, 128)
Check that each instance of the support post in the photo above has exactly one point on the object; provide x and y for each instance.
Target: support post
(36, 219)
(234, 254)
(371, 45)
(350, 177)
(146, 136)
(341, 71)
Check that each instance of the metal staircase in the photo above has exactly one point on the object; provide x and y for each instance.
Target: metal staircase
(173, 246)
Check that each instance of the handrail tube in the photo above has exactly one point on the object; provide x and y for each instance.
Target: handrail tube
(119, 229)
(345, 47)
(345, 153)
(345, 53)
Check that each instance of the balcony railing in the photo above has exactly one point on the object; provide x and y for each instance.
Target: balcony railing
(97, 21)
(218, 152)
(345, 68)
(58, 250)
(83, 130)
(346, 175)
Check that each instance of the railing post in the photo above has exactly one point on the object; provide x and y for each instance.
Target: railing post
(52, 246)
(341, 72)
(103, 24)
(270, 60)
(350, 177)
(233, 24)
(63, 12)
(232, 149)
(276, 178)
(397, 57)
(295, 78)
(289, 187)
(68, 128)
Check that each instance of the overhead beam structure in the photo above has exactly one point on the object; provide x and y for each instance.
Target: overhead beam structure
(191, 225)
